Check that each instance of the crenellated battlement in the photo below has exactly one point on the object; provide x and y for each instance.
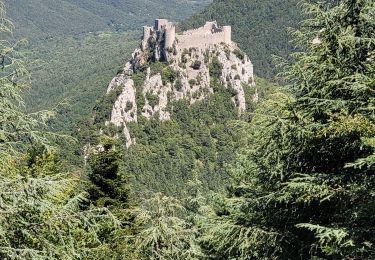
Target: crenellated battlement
(201, 37)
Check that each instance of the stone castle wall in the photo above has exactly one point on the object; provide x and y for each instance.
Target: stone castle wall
(202, 41)
(205, 36)
(170, 35)
(202, 37)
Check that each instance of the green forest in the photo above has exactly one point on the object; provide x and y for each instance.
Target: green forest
(46, 19)
(292, 177)
(69, 74)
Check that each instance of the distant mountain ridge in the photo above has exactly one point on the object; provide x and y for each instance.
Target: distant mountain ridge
(41, 19)
(259, 27)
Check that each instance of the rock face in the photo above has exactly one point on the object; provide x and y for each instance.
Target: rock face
(157, 75)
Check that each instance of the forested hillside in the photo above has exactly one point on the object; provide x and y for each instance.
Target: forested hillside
(42, 19)
(301, 182)
(74, 71)
(80, 45)
(292, 176)
(259, 27)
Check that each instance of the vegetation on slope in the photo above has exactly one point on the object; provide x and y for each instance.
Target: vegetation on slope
(303, 179)
(42, 19)
(76, 70)
(258, 26)
(44, 211)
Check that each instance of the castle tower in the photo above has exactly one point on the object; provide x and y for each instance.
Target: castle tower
(170, 35)
(227, 34)
(209, 26)
(146, 32)
(146, 36)
(160, 23)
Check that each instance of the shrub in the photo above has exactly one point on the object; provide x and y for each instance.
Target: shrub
(192, 82)
(139, 79)
(157, 67)
(129, 106)
(196, 65)
(168, 75)
(140, 100)
(215, 68)
(232, 91)
(153, 100)
(239, 54)
(178, 85)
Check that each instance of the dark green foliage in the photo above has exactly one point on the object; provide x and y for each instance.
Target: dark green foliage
(48, 18)
(239, 54)
(76, 79)
(227, 53)
(178, 84)
(42, 202)
(157, 67)
(192, 82)
(232, 91)
(103, 107)
(139, 77)
(168, 75)
(140, 101)
(215, 68)
(259, 27)
(153, 100)
(305, 178)
(129, 106)
(108, 185)
(166, 152)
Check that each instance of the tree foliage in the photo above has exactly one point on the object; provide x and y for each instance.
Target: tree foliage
(40, 201)
(305, 182)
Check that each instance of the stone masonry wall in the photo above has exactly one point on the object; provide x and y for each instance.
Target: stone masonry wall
(198, 40)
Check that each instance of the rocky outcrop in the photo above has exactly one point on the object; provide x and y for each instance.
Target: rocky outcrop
(155, 76)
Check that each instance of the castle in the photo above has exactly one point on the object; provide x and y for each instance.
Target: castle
(202, 37)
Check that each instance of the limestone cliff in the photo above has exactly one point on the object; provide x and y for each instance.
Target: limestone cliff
(157, 75)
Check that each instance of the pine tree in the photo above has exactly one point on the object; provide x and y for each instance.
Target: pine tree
(305, 180)
(163, 232)
(40, 202)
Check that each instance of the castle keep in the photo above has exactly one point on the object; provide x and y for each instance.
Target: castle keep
(202, 37)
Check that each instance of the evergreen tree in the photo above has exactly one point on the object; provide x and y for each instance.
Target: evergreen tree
(164, 233)
(40, 202)
(305, 181)
(108, 183)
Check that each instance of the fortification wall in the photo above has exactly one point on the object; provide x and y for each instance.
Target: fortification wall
(159, 23)
(170, 36)
(198, 40)
(200, 30)
(202, 37)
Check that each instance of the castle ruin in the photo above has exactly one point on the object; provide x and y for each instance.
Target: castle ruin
(202, 37)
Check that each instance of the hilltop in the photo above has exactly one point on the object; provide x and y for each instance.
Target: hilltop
(176, 97)
(259, 27)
